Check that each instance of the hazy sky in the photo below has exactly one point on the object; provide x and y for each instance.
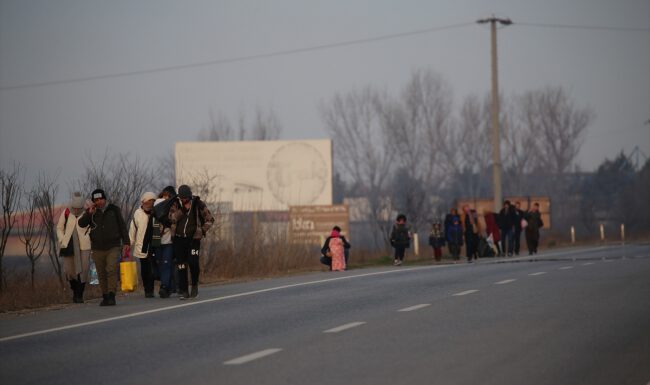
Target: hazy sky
(52, 127)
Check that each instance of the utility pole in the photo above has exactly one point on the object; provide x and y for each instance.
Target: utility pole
(496, 140)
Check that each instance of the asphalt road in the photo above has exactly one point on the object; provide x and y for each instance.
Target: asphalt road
(578, 316)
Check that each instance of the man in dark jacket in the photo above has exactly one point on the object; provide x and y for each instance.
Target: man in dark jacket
(519, 215)
(400, 238)
(507, 219)
(535, 223)
(108, 238)
(190, 220)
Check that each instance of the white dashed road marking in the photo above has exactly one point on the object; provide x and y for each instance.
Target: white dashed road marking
(565, 268)
(344, 327)
(538, 273)
(587, 264)
(416, 307)
(252, 357)
(465, 293)
(504, 281)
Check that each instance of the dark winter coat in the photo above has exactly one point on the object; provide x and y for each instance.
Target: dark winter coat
(534, 219)
(436, 238)
(326, 245)
(107, 228)
(519, 215)
(399, 236)
(507, 218)
(455, 232)
(193, 223)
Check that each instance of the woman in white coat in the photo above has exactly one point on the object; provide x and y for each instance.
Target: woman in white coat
(74, 246)
(140, 232)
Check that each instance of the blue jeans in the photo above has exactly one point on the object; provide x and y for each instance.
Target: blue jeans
(164, 257)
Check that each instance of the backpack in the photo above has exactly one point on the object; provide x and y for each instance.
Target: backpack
(161, 211)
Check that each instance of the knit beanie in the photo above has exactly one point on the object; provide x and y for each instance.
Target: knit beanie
(77, 201)
(148, 196)
(185, 192)
(98, 193)
(170, 190)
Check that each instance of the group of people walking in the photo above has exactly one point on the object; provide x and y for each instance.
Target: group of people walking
(166, 231)
(479, 233)
(164, 235)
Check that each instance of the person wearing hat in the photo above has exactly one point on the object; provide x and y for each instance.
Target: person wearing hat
(109, 238)
(140, 233)
(190, 220)
(74, 246)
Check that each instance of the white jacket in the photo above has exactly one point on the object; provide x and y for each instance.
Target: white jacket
(137, 230)
(64, 231)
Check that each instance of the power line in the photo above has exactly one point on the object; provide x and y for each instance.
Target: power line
(238, 59)
(301, 50)
(591, 27)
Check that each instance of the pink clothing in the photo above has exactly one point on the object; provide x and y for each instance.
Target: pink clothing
(338, 255)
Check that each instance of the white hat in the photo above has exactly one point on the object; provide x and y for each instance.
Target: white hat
(148, 196)
(77, 201)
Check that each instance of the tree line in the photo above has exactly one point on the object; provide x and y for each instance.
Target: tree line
(414, 152)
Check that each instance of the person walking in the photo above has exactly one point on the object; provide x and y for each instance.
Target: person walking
(448, 223)
(400, 238)
(140, 233)
(108, 238)
(470, 230)
(326, 251)
(161, 241)
(190, 221)
(518, 217)
(74, 246)
(534, 219)
(455, 237)
(437, 240)
(506, 222)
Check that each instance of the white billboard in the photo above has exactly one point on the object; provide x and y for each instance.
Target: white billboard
(258, 175)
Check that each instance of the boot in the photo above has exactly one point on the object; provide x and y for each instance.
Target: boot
(80, 292)
(111, 299)
(105, 300)
(73, 285)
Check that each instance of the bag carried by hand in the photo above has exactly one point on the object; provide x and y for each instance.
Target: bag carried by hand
(128, 274)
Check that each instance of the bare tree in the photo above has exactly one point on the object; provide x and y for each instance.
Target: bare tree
(165, 171)
(363, 145)
(559, 125)
(474, 149)
(522, 154)
(124, 178)
(31, 231)
(265, 126)
(10, 187)
(44, 197)
(220, 129)
(420, 122)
